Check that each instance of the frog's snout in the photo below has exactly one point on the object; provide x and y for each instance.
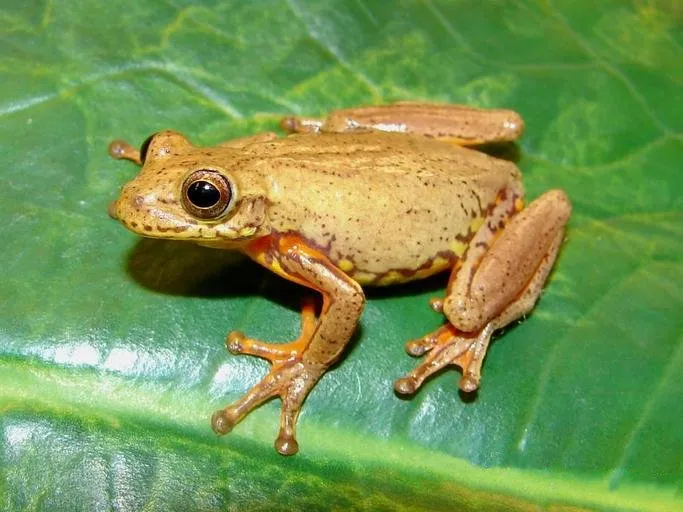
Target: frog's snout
(148, 213)
(128, 205)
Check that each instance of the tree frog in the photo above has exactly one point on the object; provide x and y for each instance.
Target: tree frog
(369, 196)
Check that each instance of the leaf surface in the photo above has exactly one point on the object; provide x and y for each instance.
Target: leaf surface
(111, 347)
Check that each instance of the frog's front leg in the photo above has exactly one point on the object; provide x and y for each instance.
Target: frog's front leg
(458, 124)
(297, 366)
(499, 281)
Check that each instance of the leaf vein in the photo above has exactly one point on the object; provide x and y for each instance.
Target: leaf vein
(611, 69)
(554, 354)
(611, 165)
(362, 77)
(488, 62)
(674, 365)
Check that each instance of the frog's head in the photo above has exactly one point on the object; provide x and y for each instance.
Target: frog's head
(184, 192)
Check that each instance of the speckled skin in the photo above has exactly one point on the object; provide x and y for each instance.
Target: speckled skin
(334, 191)
(347, 202)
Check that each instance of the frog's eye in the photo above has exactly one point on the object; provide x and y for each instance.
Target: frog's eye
(144, 148)
(206, 194)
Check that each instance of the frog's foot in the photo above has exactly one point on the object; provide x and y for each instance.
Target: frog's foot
(291, 381)
(290, 378)
(456, 124)
(447, 346)
(237, 343)
(436, 303)
(121, 150)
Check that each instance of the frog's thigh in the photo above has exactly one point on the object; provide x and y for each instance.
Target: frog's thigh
(526, 301)
(511, 268)
(472, 360)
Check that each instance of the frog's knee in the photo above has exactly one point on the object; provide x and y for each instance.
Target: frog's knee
(354, 299)
(554, 204)
(465, 314)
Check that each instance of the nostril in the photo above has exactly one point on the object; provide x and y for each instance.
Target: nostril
(138, 200)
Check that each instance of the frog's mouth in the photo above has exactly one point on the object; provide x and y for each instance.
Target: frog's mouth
(211, 236)
(153, 223)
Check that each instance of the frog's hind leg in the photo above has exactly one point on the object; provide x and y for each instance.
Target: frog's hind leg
(446, 346)
(491, 291)
(299, 124)
(457, 124)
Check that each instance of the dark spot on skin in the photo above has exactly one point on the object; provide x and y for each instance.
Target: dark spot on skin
(147, 228)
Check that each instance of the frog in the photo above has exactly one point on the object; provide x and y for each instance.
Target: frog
(366, 196)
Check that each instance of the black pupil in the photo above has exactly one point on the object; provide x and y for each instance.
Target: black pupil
(203, 194)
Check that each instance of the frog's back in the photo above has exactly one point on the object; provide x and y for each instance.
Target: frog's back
(377, 152)
(385, 207)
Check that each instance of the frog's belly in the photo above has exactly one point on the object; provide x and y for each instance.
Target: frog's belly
(383, 226)
(390, 248)
(430, 267)
(386, 263)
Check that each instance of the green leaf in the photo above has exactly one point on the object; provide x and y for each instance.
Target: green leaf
(111, 347)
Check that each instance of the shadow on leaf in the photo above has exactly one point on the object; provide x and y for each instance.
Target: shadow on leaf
(509, 151)
(187, 269)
